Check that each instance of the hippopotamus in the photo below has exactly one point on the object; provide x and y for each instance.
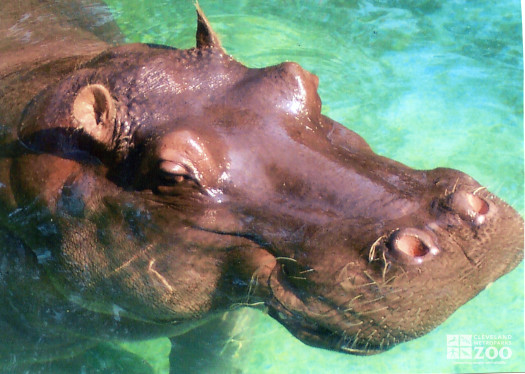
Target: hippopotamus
(146, 190)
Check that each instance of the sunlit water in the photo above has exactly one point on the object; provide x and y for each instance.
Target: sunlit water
(428, 83)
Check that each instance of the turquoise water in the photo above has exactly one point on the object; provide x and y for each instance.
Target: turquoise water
(428, 83)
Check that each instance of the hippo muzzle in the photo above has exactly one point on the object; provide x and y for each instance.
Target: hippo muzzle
(174, 183)
(378, 285)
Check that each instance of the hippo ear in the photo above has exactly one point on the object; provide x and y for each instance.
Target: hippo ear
(206, 37)
(94, 110)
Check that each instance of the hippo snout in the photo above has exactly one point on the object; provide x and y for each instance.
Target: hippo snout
(376, 283)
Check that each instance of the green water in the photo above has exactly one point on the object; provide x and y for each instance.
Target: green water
(428, 83)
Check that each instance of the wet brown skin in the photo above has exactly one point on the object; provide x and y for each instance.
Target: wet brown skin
(146, 189)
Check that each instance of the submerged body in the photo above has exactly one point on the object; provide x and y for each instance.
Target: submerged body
(145, 189)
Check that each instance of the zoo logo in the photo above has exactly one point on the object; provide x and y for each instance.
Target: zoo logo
(479, 347)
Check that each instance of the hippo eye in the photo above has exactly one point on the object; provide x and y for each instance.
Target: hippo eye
(173, 173)
(412, 246)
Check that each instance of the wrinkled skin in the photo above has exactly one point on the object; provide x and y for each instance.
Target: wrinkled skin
(147, 189)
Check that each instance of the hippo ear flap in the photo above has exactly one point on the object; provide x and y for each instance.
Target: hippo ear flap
(206, 37)
(94, 110)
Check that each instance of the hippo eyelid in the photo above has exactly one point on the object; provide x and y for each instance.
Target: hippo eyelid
(170, 167)
(176, 172)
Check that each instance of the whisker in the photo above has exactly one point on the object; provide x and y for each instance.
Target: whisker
(479, 189)
(374, 311)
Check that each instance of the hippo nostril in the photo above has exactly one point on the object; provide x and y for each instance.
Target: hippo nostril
(468, 206)
(411, 246)
(477, 204)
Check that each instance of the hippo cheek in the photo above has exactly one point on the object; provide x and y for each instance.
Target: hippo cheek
(141, 272)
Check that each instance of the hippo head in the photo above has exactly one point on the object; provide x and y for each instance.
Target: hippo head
(180, 182)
